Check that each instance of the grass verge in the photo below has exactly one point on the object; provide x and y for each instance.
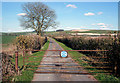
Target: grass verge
(100, 77)
(27, 75)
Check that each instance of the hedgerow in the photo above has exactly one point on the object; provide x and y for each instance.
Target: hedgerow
(30, 42)
(112, 44)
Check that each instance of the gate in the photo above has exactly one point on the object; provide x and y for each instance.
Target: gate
(55, 64)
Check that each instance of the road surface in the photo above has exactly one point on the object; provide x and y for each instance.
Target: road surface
(52, 62)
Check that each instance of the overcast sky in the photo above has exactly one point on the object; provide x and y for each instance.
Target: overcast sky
(70, 15)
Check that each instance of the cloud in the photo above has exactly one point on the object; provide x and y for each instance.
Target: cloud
(70, 5)
(103, 26)
(89, 14)
(100, 24)
(21, 14)
(99, 13)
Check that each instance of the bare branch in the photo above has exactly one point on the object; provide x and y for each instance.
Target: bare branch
(39, 16)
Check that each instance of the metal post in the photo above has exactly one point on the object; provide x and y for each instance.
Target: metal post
(16, 61)
(23, 58)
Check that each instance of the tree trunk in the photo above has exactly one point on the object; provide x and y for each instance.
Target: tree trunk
(37, 32)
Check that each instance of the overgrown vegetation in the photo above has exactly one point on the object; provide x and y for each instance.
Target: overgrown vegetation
(8, 67)
(111, 44)
(8, 61)
(30, 42)
(76, 56)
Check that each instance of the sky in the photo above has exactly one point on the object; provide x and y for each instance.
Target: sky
(70, 15)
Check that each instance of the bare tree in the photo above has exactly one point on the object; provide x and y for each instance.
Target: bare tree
(38, 16)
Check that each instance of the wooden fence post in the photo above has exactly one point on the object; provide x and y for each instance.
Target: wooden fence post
(115, 68)
(16, 61)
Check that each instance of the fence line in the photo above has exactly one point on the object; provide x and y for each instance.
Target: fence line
(24, 57)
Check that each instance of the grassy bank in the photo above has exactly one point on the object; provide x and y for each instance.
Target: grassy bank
(27, 75)
(77, 55)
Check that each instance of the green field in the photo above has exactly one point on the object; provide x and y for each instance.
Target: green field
(16, 33)
(67, 32)
(7, 38)
(93, 31)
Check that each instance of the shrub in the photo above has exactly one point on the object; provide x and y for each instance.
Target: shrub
(111, 44)
(29, 42)
(8, 67)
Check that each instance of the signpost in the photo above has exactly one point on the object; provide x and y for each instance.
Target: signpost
(63, 54)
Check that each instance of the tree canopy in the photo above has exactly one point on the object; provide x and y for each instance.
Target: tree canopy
(38, 16)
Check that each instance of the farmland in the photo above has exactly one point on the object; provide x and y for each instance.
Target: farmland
(92, 31)
(85, 31)
(9, 37)
(81, 33)
(65, 41)
(71, 43)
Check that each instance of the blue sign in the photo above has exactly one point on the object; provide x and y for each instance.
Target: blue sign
(64, 54)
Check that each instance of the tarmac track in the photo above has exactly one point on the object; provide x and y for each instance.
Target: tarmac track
(55, 68)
